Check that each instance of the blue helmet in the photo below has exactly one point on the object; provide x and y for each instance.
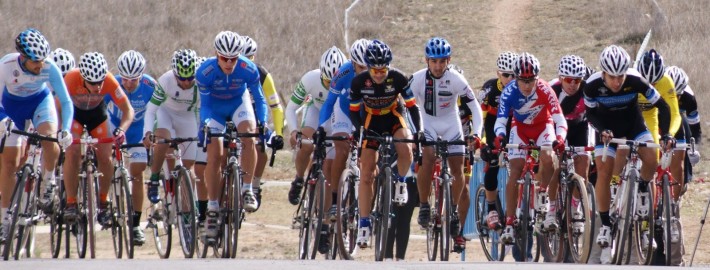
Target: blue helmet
(378, 54)
(438, 48)
(32, 44)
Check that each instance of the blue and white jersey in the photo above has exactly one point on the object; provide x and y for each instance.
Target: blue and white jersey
(20, 87)
(221, 94)
(339, 87)
(139, 99)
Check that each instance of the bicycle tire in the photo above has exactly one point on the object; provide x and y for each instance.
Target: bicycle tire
(185, 206)
(117, 231)
(553, 244)
(317, 217)
(383, 217)
(622, 248)
(56, 226)
(522, 230)
(236, 208)
(579, 251)
(158, 219)
(28, 212)
(81, 227)
(492, 247)
(125, 213)
(14, 210)
(433, 233)
(348, 216)
(646, 256)
(446, 214)
(667, 219)
(92, 200)
(307, 208)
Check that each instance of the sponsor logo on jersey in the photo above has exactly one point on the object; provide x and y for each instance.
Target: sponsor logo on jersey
(603, 90)
(389, 89)
(445, 105)
(367, 91)
(368, 83)
(445, 93)
(16, 73)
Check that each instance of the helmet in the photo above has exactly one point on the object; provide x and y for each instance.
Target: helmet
(378, 54)
(131, 64)
(357, 51)
(198, 62)
(184, 65)
(248, 46)
(228, 44)
(437, 48)
(506, 61)
(526, 66)
(93, 67)
(651, 66)
(64, 59)
(572, 66)
(588, 72)
(680, 78)
(32, 44)
(614, 60)
(330, 62)
(456, 68)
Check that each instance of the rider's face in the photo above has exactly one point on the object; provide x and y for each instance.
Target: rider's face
(437, 66)
(614, 83)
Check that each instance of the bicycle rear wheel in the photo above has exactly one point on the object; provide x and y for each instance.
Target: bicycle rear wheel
(125, 212)
(579, 239)
(383, 218)
(433, 230)
(446, 214)
(159, 219)
(186, 214)
(492, 247)
(348, 216)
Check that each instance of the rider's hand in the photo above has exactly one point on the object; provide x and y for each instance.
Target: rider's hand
(64, 138)
(119, 135)
(694, 157)
(667, 142)
(559, 144)
(3, 127)
(146, 139)
(277, 142)
(293, 139)
(499, 142)
(606, 136)
(201, 136)
(487, 153)
(475, 143)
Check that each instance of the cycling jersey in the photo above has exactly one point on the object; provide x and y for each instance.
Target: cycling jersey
(574, 111)
(439, 98)
(170, 96)
(616, 111)
(339, 88)
(221, 94)
(139, 99)
(84, 100)
(665, 87)
(311, 86)
(689, 107)
(531, 114)
(272, 98)
(382, 99)
(23, 92)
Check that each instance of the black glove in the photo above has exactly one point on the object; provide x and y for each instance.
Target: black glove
(667, 142)
(277, 142)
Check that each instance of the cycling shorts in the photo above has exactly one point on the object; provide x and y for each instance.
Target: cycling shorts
(542, 137)
(435, 126)
(180, 124)
(382, 124)
(95, 120)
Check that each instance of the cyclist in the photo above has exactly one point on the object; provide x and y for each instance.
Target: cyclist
(24, 77)
(378, 92)
(613, 110)
(314, 86)
(249, 49)
(567, 86)
(64, 60)
(87, 87)
(172, 112)
(537, 116)
(437, 89)
(139, 88)
(691, 120)
(490, 98)
(222, 82)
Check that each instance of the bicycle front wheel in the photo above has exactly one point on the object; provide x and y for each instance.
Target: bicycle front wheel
(579, 220)
(384, 202)
(307, 209)
(446, 213)
(621, 246)
(644, 231)
(525, 220)
(117, 230)
(433, 229)
(186, 214)
(667, 219)
(348, 216)
(56, 227)
(159, 219)
(492, 247)
(236, 211)
(16, 208)
(91, 186)
(125, 211)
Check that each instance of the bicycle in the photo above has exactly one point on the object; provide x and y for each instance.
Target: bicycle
(576, 219)
(231, 209)
(493, 248)
(176, 206)
(348, 214)
(24, 206)
(439, 228)
(120, 205)
(381, 214)
(623, 213)
(664, 204)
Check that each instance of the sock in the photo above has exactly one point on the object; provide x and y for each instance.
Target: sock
(364, 222)
(424, 205)
(71, 200)
(402, 179)
(137, 218)
(103, 198)
(575, 202)
(202, 207)
(256, 181)
(213, 205)
(643, 186)
(606, 221)
(49, 177)
(553, 206)
(246, 187)
(298, 179)
(491, 206)
(335, 197)
(154, 176)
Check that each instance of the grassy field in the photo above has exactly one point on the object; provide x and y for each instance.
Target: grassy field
(293, 34)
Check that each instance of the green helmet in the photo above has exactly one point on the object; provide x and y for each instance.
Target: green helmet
(184, 63)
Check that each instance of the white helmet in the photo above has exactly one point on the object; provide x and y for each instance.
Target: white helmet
(131, 64)
(248, 46)
(614, 60)
(572, 66)
(357, 51)
(64, 60)
(506, 61)
(228, 44)
(93, 67)
(330, 62)
(198, 62)
(680, 78)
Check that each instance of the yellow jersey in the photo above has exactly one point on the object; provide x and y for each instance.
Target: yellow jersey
(666, 88)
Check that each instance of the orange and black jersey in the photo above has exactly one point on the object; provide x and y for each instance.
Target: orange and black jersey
(381, 99)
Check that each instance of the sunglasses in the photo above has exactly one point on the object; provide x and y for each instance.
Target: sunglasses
(507, 75)
(228, 59)
(379, 71)
(527, 81)
(185, 78)
(94, 83)
(571, 80)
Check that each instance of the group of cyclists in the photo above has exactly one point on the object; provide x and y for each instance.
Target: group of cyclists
(356, 98)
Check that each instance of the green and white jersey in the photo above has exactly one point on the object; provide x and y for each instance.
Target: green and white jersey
(311, 89)
(170, 96)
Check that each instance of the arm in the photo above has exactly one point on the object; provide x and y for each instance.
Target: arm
(259, 100)
(272, 98)
(60, 91)
(327, 109)
(477, 114)
(664, 111)
(355, 104)
(556, 113)
(499, 128)
(127, 109)
(155, 100)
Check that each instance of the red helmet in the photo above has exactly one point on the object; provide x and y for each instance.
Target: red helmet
(526, 66)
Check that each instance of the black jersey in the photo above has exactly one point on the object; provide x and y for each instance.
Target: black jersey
(382, 98)
(572, 106)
